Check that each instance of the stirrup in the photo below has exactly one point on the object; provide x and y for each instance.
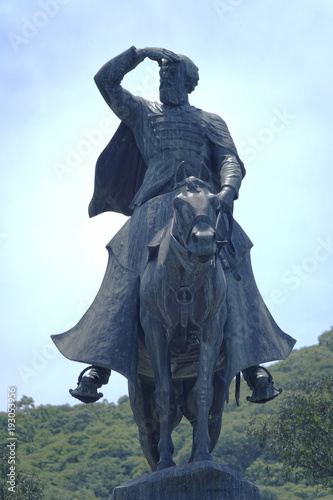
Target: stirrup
(263, 390)
(86, 390)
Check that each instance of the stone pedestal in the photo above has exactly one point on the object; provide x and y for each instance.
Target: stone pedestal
(195, 481)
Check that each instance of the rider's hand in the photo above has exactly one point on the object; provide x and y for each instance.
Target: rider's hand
(156, 54)
(226, 197)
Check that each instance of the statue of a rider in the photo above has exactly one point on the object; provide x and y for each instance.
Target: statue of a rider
(135, 176)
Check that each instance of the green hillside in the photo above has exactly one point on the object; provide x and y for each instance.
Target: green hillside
(83, 452)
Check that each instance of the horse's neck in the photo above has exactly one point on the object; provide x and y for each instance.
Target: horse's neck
(178, 263)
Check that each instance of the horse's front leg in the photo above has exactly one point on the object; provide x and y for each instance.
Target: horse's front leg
(203, 390)
(157, 344)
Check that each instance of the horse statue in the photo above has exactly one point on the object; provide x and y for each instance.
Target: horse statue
(182, 314)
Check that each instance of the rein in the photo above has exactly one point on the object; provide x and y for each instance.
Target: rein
(228, 240)
(185, 294)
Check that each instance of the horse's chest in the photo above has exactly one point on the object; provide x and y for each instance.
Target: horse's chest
(176, 304)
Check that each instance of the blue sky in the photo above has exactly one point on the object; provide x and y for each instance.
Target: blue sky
(265, 67)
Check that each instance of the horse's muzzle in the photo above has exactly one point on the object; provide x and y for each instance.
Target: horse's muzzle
(202, 244)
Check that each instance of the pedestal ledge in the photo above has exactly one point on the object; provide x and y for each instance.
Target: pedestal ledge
(195, 481)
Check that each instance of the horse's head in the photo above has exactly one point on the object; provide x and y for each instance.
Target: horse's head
(195, 216)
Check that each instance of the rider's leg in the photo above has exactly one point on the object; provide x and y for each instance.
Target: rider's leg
(260, 382)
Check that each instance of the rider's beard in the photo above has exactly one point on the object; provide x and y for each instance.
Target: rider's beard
(172, 95)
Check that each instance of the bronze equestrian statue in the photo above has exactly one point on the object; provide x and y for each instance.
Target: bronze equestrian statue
(158, 340)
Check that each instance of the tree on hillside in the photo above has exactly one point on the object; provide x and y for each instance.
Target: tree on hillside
(301, 434)
(326, 339)
(25, 405)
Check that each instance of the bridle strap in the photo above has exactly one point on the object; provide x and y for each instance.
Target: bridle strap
(194, 221)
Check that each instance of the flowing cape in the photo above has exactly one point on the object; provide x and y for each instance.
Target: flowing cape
(107, 334)
(120, 170)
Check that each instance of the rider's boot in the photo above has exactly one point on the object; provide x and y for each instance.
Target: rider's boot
(86, 390)
(260, 382)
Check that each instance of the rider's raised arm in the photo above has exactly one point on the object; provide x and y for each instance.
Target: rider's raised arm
(108, 79)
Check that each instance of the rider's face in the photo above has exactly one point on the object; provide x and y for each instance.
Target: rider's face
(172, 83)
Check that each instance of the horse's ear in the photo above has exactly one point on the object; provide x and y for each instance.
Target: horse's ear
(180, 175)
(204, 173)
